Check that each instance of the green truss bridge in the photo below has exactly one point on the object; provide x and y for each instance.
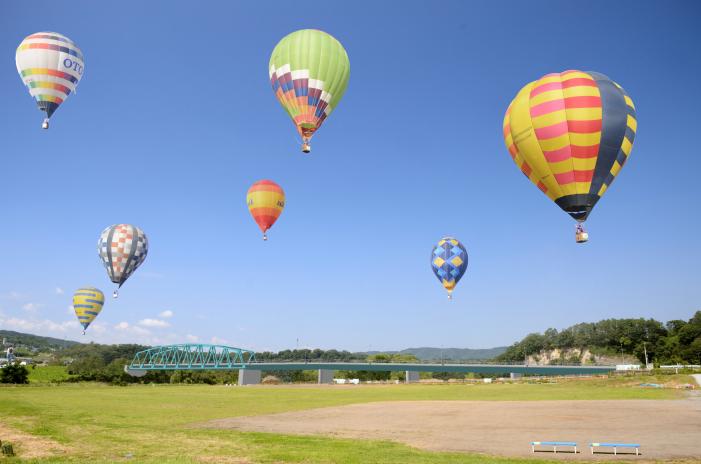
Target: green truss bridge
(218, 357)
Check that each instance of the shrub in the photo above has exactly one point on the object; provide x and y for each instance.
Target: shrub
(271, 380)
(14, 373)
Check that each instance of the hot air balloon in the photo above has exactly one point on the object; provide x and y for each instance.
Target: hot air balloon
(122, 249)
(51, 66)
(87, 304)
(570, 134)
(449, 262)
(265, 200)
(309, 71)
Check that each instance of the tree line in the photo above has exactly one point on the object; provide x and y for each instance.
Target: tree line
(677, 341)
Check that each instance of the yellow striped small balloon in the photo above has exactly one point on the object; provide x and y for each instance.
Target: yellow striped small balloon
(87, 304)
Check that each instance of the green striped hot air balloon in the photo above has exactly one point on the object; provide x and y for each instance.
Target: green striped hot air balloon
(309, 72)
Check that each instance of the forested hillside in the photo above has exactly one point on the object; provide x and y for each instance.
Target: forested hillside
(454, 354)
(34, 342)
(676, 341)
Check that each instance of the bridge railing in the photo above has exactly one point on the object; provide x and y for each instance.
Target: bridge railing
(192, 356)
(433, 362)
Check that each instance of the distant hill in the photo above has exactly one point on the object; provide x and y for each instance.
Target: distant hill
(34, 342)
(38, 343)
(426, 353)
(454, 354)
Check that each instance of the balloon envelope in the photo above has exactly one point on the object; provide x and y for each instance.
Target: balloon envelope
(309, 72)
(122, 249)
(265, 200)
(449, 262)
(570, 133)
(87, 304)
(51, 66)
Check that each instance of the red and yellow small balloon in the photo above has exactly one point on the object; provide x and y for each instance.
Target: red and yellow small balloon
(265, 200)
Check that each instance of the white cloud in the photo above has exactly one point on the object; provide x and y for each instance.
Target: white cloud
(13, 296)
(38, 325)
(192, 338)
(31, 307)
(59, 291)
(166, 314)
(121, 332)
(70, 310)
(219, 341)
(140, 330)
(153, 323)
(97, 328)
(133, 329)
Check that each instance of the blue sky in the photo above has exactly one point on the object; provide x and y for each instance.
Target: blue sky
(175, 118)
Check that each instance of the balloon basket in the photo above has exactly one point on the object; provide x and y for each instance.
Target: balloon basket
(265, 237)
(115, 294)
(306, 148)
(45, 124)
(581, 235)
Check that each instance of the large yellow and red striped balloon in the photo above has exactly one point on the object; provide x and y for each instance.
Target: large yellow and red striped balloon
(265, 200)
(570, 133)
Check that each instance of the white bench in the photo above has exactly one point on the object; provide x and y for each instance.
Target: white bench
(615, 447)
(554, 444)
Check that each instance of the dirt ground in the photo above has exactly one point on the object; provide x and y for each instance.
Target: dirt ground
(668, 429)
(30, 446)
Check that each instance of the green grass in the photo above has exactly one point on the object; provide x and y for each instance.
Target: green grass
(102, 424)
(47, 374)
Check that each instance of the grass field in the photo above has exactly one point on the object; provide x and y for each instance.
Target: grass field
(47, 374)
(153, 423)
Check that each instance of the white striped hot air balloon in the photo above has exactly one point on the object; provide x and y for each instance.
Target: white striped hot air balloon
(51, 66)
(122, 249)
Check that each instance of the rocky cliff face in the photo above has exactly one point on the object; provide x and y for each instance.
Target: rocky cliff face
(577, 356)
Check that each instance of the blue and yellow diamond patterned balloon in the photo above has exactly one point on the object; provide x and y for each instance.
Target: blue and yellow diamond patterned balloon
(449, 262)
(87, 304)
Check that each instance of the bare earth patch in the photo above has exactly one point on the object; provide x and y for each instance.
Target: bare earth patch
(29, 446)
(666, 429)
(222, 460)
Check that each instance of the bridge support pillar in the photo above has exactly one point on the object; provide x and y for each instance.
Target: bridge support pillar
(249, 376)
(134, 372)
(412, 376)
(325, 376)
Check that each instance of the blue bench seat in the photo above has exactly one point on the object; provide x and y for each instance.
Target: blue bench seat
(615, 446)
(554, 444)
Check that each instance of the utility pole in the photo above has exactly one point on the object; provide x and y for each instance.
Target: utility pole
(621, 352)
(645, 350)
